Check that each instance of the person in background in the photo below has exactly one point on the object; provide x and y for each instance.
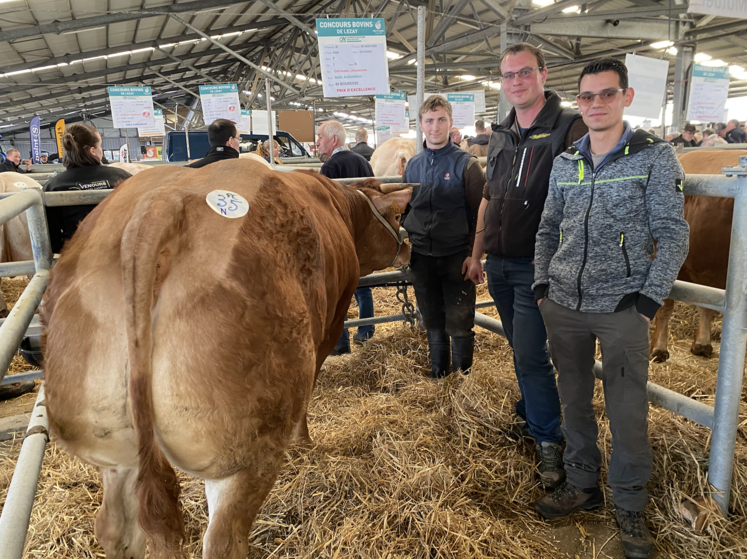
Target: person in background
(44, 158)
(733, 133)
(224, 141)
(345, 164)
(612, 195)
(687, 138)
(263, 150)
(12, 163)
(83, 171)
(361, 146)
(456, 136)
(720, 128)
(520, 156)
(479, 144)
(710, 139)
(441, 224)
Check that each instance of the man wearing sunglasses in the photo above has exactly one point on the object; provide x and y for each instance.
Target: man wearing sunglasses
(520, 156)
(612, 195)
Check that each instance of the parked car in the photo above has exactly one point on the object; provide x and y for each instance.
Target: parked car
(175, 145)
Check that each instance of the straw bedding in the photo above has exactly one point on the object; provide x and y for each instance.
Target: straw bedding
(405, 467)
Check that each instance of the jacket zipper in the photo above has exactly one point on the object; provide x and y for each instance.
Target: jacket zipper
(586, 241)
(625, 253)
(505, 190)
(430, 205)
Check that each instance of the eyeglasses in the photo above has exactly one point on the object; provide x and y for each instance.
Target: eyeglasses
(523, 73)
(606, 96)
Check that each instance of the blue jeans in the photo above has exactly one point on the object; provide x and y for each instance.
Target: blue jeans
(510, 284)
(364, 297)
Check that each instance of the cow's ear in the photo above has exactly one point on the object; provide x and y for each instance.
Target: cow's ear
(393, 203)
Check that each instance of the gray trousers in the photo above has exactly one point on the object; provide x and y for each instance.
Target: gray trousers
(623, 337)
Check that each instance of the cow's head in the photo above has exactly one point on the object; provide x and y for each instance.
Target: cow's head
(382, 246)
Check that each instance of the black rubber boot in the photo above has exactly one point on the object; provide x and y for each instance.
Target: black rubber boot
(438, 347)
(462, 350)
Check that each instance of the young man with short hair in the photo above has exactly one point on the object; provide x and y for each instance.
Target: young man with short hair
(224, 141)
(520, 156)
(612, 195)
(441, 226)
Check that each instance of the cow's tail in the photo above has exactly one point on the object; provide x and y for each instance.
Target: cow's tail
(154, 224)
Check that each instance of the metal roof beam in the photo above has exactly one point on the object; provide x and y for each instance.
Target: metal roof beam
(542, 13)
(644, 29)
(496, 8)
(294, 20)
(58, 27)
(622, 14)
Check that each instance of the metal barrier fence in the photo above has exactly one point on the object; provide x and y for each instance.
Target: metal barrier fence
(722, 419)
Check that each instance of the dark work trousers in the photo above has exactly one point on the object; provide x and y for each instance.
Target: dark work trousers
(364, 298)
(510, 286)
(445, 299)
(623, 337)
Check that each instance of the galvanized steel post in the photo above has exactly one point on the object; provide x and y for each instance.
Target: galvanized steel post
(731, 358)
(419, 96)
(270, 127)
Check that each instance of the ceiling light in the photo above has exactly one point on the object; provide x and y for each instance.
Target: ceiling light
(734, 70)
(543, 3)
(701, 57)
(662, 44)
(740, 77)
(393, 55)
(565, 104)
(572, 9)
(672, 51)
(467, 78)
(718, 63)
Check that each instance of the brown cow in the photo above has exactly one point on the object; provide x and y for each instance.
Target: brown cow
(174, 334)
(710, 233)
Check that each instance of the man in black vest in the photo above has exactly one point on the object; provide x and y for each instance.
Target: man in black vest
(441, 227)
(224, 141)
(520, 157)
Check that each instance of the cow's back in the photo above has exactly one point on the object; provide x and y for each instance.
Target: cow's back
(15, 244)
(709, 219)
(388, 158)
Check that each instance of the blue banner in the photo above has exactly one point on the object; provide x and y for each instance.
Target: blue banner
(35, 134)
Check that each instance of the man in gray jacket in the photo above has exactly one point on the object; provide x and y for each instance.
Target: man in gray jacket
(612, 194)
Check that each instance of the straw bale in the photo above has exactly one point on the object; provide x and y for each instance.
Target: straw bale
(405, 467)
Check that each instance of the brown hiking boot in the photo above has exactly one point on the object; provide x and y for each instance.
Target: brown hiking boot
(550, 468)
(637, 542)
(567, 499)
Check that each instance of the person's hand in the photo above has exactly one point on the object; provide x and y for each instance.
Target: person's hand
(473, 269)
(539, 302)
(648, 320)
(28, 164)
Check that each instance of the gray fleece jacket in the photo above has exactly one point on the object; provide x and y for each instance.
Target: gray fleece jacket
(595, 242)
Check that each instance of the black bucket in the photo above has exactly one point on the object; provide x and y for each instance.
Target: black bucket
(30, 349)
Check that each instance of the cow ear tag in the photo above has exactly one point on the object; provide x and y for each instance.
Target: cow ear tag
(227, 203)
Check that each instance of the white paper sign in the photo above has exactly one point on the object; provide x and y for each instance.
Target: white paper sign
(390, 111)
(159, 129)
(648, 78)
(245, 122)
(479, 100)
(462, 109)
(709, 90)
(131, 107)
(726, 8)
(353, 57)
(220, 101)
(383, 133)
(227, 203)
(259, 122)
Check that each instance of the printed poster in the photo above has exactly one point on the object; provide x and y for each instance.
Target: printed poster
(724, 8)
(132, 107)
(390, 111)
(245, 122)
(159, 129)
(259, 122)
(462, 108)
(353, 57)
(383, 133)
(709, 89)
(220, 101)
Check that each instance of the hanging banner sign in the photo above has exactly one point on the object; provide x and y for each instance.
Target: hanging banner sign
(353, 57)
(648, 78)
(709, 90)
(462, 108)
(245, 122)
(479, 99)
(390, 111)
(59, 130)
(220, 101)
(35, 135)
(124, 154)
(725, 8)
(259, 122)
(383, 133)
(132, 107)
(159, 129)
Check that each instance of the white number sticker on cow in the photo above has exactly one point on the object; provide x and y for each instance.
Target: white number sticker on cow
(228, 204)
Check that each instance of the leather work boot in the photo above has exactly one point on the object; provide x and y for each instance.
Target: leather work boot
(550, 458)
(637, 542)
(14, 390)
(567, 499)
(462, 350)
(438, 347)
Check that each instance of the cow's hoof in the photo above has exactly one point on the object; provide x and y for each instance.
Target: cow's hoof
(4, 313)
(702, 350)
(659, 355)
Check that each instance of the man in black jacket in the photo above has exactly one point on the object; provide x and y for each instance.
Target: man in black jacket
(520, 156)
(441, 227)
(687, 138)
(224, 141)
(12, 162)
(361, 147)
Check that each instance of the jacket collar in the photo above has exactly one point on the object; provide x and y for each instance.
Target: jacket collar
(545, 118)
(449, 147)
(631, 142)
(224, 152)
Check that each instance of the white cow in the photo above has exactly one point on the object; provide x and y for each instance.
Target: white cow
(391, 157)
